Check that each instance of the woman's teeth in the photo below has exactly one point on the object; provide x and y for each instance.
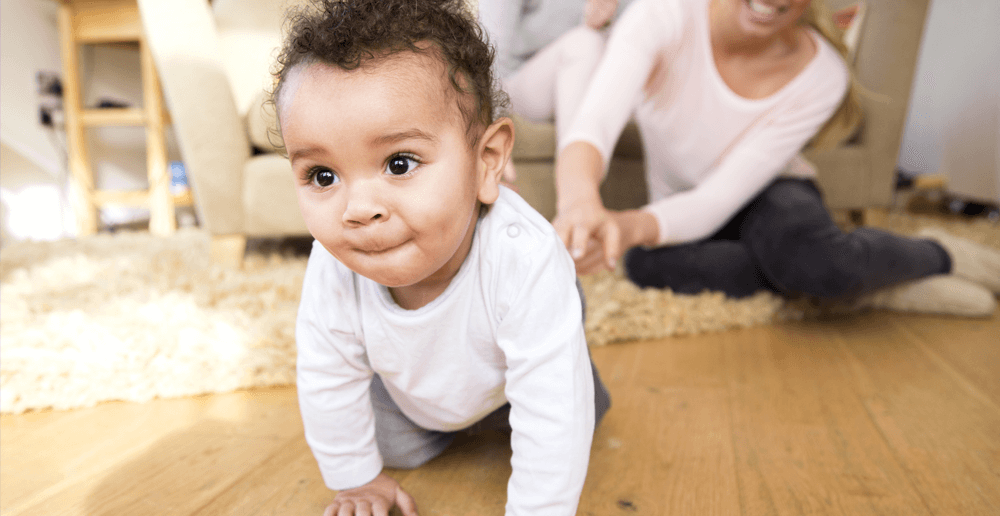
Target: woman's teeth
(766, 10)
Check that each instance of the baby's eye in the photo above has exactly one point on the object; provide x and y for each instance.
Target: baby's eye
(322, 177)
(400, 165)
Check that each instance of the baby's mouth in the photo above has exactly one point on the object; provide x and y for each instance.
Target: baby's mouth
(375, 246)
(374, 249)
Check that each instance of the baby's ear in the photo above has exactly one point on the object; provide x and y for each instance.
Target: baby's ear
(495, 148)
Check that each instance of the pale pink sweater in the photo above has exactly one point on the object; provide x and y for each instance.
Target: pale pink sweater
(708, 150)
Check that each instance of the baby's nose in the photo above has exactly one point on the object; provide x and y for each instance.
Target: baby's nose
(364, 205)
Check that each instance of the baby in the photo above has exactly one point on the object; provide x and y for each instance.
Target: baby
(434, 297)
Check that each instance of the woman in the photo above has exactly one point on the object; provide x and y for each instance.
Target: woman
(726, 93)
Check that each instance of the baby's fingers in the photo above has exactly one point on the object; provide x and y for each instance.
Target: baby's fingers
(362, 508)
(406, 503)
(381, 507)
(346, 508)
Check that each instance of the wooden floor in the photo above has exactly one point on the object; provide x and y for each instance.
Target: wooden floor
(877, 414)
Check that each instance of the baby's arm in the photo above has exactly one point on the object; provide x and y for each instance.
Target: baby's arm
(374, 498)
(549, 386)
(334, 380)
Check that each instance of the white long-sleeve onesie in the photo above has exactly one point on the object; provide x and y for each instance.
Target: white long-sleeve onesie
(508, 328)
(708, 150)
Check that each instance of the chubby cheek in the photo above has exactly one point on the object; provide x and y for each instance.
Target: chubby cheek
(322, 219)
(441, 222)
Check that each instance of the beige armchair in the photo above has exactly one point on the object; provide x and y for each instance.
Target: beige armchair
(213, 62)
(861, 174)
(858, 176)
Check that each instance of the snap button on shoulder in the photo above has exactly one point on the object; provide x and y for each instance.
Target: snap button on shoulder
(513, 231)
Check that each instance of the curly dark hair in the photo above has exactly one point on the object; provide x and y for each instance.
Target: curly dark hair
(350, 33)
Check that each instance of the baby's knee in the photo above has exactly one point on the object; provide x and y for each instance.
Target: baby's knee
(402, 453)
(403, 461)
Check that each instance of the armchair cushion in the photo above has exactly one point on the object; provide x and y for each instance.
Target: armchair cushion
(262, 125)
(269, 189)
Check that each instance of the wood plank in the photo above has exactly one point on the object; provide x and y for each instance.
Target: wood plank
(184, 199)
(665, 446)
(177, 474)
(873, 414)
(805, 443)
(76, 448)
(969, 346)
(120, 197)
(105, 21)
(58, 455)
(469, 478)
(81, 175)
(228, 250)
(161, 203)
(287, 482)
(941, 430)
(100, 117)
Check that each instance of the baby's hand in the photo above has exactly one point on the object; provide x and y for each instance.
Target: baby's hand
(372, 499)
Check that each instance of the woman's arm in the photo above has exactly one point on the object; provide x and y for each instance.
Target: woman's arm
(635, 40)
(751, 166)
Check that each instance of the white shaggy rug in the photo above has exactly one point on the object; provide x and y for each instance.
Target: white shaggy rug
(134, 317)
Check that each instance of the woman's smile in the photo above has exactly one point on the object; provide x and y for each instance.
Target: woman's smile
(762, 12)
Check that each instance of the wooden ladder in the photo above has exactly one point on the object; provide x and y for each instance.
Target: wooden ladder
(94, 22)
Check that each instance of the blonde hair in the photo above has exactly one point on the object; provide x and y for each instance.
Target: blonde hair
(846, 119)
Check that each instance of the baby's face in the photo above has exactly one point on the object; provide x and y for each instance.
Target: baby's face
(386, 177)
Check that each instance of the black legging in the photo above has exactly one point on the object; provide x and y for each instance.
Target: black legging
(785, 241)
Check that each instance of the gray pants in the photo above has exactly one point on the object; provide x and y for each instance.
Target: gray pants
(404, 445)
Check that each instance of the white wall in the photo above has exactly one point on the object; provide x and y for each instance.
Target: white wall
(33, 204)
(953, 125)
(29, 42)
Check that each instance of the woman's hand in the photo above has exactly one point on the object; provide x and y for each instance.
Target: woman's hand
(375, 498)
(589, 233)
(597, 237)
(597, 14)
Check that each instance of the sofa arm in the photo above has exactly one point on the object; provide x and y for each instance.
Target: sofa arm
(213, 142)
